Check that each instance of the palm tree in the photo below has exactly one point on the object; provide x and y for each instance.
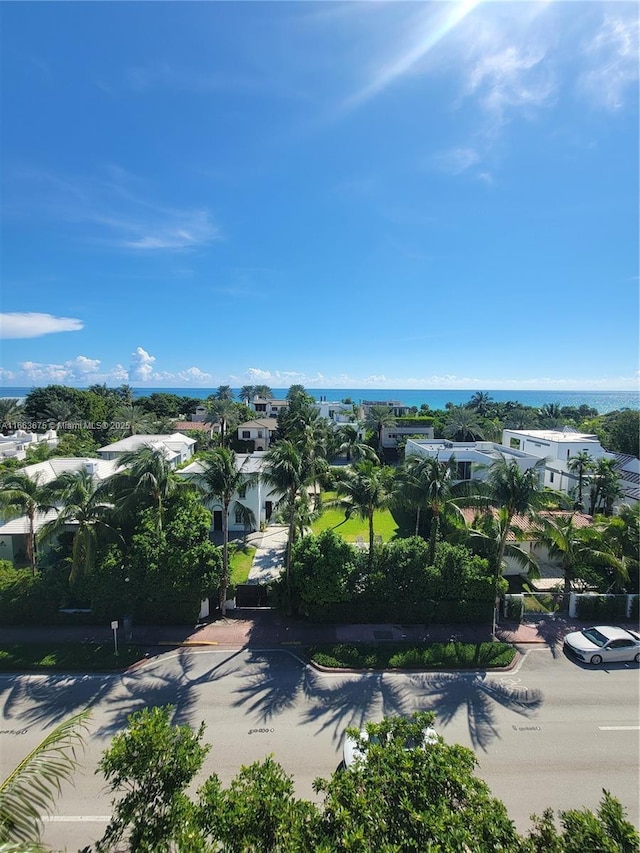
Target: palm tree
(487, 531)
(224, 392)
(437, 479)
(479, 402)
(462, 425)
(147, 478)
(225, 413)
(518, 493)
(263, 391)
(24, 495)
(365, 488)
(622, 534)
(84, 507)
(219, 481)
(605, 486)
(30, 789)
(573, 547)
(10, 412)
(581, 464)
(377, 418)
(352, 445)
(138, 420)
(247, 393)
(288, 471)
(550, 415)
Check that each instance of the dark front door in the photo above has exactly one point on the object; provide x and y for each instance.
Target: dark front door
(217, 519)
(268, 509)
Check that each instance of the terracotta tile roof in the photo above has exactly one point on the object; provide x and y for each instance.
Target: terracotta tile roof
(200, 426)
(525, 524)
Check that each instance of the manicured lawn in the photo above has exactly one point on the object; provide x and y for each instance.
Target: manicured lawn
(412, 656)
(332, 518)
(240, 563)
(67, 657)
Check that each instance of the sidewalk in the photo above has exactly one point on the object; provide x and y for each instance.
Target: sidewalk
(263, 628)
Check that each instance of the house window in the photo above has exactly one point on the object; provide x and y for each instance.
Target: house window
(568, 453)
(246, 433)
(260, 433)
(463, 471)
(261, 407)
(514, 443)
(551, 477)
(238, 515)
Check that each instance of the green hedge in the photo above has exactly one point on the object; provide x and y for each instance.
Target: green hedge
(593, 607)
(412, 656)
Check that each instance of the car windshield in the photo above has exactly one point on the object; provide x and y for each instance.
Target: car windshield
(594, 636)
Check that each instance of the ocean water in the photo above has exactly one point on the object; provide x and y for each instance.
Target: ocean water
(602, 401)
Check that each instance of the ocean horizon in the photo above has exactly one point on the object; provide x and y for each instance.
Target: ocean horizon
(434, 398)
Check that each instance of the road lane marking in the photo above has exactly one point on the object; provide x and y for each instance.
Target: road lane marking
(83, 818)
(619, 728)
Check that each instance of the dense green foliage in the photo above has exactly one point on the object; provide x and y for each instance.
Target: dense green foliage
(390, 655)
(331, 580)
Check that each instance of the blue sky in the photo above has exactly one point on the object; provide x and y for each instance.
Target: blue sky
(381, 194)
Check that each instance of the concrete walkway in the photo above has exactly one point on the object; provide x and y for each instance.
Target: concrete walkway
(268, 561)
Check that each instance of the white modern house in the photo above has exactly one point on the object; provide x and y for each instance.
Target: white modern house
(13, 531)
(391, 435)
(559, 446)
(335, 411)
(15, 445)
(473, 458)
(257, 496)
(177, 448)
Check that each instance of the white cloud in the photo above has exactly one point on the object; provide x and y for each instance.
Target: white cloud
(82, 365)
(141, 369)
(613, 57)
(195, 375)
(456, 160)
(511, 78)
(36, 372)
(34, 325)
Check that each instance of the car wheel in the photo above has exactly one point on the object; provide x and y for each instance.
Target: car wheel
(596, 659)
(637, 658)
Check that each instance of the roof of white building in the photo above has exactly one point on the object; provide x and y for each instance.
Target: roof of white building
(176, 441)
(558, 435)
(260, 423)
(20, 525)
(101, 469)
(248, 463)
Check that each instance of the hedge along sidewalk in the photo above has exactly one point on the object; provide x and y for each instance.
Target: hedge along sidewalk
(411, 656)
(67, 657)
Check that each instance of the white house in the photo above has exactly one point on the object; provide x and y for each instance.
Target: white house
(257, 496)
(260, 431)
(177, 448)
(13, 531)
(337, 411)
(15, 446)
(391, 435)
(473, 458)
(559, 446)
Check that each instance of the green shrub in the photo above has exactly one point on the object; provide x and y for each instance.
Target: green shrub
(601, 607)
(401, 655)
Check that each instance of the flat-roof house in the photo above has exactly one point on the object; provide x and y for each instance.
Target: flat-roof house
(559, 446)
(15, 445)
(473, 458)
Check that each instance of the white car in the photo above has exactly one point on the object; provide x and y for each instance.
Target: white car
(351, 753)
(603, 644)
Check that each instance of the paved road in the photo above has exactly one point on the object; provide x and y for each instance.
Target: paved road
(548, 733)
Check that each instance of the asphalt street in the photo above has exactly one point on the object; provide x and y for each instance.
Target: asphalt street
(548, 733)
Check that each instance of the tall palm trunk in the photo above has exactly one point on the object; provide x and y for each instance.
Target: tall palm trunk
(418, 521)
(31, 540)
(433, 535)
(224, 585)
(371, 537)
